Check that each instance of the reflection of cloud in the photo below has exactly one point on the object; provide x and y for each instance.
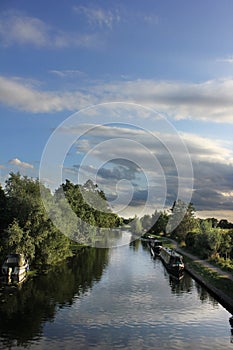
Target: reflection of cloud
(21, 164)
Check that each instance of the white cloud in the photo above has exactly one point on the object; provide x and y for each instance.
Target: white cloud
(97, 16)
(68, 73)
(207, 101)
(208, 150)
(23, 30)
(18, 29)
(23, 97)
(212, 164)
(199, 148)
(210, 100)
(226, 60)
(21, 164)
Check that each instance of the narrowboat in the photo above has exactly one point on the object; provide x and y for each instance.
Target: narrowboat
(155, 247)
(147, 238)
(15, 267)
(172, 260)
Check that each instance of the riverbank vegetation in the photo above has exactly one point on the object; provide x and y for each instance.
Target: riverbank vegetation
(25, 226)
(210, 239)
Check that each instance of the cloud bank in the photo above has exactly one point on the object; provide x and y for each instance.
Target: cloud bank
(207, 101)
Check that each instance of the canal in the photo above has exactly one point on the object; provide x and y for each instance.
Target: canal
(117, 298)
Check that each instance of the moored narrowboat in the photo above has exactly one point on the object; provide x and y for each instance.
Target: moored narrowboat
(172, 260)
(155, 247)
(15, 266)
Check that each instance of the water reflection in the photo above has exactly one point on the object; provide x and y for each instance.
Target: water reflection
(112, 298)
(23, 311)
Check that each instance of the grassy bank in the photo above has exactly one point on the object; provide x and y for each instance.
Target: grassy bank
(218, 281)
(220, 286)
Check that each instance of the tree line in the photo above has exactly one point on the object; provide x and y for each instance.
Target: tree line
(208, 238)
(25, 226)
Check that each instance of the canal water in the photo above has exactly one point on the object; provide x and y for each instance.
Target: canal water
(119, 298)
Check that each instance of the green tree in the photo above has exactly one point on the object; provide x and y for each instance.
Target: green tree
(160, 221)
(182, 220)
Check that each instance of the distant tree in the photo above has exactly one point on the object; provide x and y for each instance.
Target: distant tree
(225, 224)
(146, 222)
(136, 225)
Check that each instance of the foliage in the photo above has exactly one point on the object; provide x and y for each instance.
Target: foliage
(210, 242)
(27, 228)
(159, 222)
(146, 222)
(136, 225)
(182, 220)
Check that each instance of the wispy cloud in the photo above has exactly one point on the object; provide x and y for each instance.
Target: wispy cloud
(17, 162)
(97, 16)
(68, 73)
(23, 30)
(18, 29)
(226, 60)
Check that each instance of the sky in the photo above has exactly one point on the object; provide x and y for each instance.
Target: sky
(136, 95)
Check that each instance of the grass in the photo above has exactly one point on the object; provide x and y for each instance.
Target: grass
(211, 277)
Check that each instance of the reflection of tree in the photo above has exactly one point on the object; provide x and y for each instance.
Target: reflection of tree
(204, 295)
(135, 244)
(24, 311)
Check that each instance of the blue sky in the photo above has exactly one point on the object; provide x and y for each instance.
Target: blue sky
(175, 57)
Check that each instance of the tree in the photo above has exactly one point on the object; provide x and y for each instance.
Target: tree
(226, 245)
(136, 225)
(182, 220)
(146, 222)
(225, 224)
(4, 213)
(159, 221)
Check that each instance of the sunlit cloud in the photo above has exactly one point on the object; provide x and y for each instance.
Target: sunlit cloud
(17, 162)
(207, 101)
(23, 97)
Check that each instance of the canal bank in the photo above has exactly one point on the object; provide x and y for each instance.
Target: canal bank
(218, 282)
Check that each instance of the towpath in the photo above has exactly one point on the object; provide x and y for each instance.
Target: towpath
(203, 262)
